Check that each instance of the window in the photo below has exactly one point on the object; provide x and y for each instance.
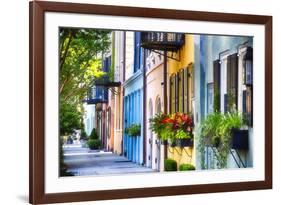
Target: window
(248, 67)
(245, 89)
(181, 87)
(137, 51)
(210, 97)
(232, 81)
(158, 105)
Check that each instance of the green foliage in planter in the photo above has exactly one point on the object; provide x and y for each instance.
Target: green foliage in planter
(83, 135)
(94, 134)
(180, 134)
(133, 130)
(170, 165)
(215, 130)
(186, 167)
(159, 128)
(94, 143)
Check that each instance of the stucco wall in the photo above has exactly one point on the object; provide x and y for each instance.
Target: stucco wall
(208, 49)
(154, 78)
(186, 58)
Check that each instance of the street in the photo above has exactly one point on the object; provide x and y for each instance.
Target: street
(83, 161)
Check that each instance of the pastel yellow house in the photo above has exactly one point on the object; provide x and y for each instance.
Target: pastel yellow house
(169, 88)
(180, 93)
(154, 104)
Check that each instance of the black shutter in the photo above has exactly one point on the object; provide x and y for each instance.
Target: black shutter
(232, 80)
(247, 108)
(248, 67)
(217, 87)
(244, 104)
(226, 108)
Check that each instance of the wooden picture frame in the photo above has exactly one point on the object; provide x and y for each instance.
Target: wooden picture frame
(37, 10)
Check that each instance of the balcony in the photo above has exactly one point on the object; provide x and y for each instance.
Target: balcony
(98, 94)
(162, 41)
(106, 82)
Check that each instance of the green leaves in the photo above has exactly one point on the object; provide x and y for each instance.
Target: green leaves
(180, 134)
(70, 118)
(215, 130)
(133, 130)
(81, 53)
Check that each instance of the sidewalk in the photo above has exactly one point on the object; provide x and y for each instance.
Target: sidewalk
(83, 162)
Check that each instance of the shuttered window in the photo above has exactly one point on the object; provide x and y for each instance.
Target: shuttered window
(185, 91)
(190, 82)
(248, 67)
(180, 91)
(137, 53)
(247, 100)
(217, 88)
(172, 93)
(232, 82)
(210, 97)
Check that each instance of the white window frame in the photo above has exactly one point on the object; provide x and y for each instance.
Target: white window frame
(241, 87)
(223, 78)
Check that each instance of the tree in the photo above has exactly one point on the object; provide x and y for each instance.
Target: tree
(80, 64)
(80, 54)
(70, 118)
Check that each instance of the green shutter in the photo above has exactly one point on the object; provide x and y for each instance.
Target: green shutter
(172, 94)
(217, 87)
(180, 91)
(185, 90)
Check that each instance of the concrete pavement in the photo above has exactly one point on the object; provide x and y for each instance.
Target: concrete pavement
(83, 161)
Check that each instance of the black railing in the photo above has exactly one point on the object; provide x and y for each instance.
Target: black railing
(162, 41)
(98, 94)
(106, 82)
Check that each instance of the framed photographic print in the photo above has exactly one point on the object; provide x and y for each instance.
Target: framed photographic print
(132, 102)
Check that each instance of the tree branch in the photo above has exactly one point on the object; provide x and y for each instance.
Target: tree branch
(66, 49)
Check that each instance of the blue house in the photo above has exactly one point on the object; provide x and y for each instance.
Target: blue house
(133, 97)
(223, 69)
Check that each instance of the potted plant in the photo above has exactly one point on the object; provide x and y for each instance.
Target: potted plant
(94, 144)
(220, 130)
(240, 139)
(182, 125)
(133, 130)
(160, 126)
(210, 129)
(239, 136)
(172, 142)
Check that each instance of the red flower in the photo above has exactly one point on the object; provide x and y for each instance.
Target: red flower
(167, 120)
